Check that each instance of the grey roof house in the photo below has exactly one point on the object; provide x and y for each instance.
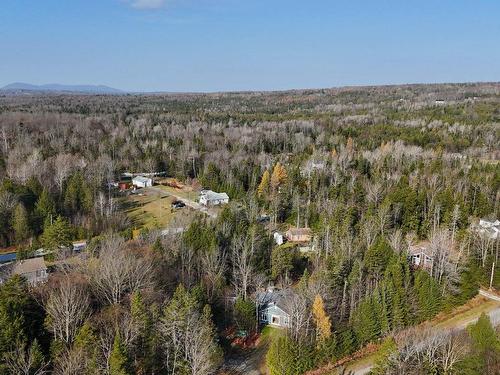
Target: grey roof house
(34, 270)
(273, 308)
(211, 198)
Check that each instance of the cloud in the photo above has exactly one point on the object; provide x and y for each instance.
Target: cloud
(147, 4)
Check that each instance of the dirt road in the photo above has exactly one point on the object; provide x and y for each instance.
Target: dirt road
(188, 202)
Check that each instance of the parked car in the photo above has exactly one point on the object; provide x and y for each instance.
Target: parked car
(178, 204)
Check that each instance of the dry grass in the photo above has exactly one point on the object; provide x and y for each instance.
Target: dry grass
(464, 314)
(153, 210)
(183, 193)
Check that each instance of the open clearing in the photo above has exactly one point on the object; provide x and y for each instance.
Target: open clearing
(152, 210)
(251, 361)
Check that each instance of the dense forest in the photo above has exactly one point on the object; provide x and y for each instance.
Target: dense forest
(372, 171)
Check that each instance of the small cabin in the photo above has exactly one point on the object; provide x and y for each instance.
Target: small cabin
(301, 235)
(420, 256)
(273, 308)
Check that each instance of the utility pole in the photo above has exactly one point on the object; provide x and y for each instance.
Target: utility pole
(492, 273)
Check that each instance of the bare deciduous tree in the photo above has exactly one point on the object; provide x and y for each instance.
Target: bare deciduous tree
(67, 307)
(25, 360)
(117, 270)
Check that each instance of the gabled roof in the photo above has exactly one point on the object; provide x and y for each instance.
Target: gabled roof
(421, 247)
(141, 179)
(213, 196)
(29, 265)
(299, 231)
(278, 298)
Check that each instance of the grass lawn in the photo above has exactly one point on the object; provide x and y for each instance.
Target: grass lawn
(359, 364)
(152, 210)
(191, 195)
(465, 314)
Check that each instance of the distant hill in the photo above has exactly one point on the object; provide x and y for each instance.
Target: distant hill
(54, 87)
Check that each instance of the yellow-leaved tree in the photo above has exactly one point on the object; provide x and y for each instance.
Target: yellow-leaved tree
(279, 176)
(321, 319)
(264, 183)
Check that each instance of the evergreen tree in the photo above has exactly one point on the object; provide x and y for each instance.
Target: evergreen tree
(45, 207)
(280, 357)
(57, 234)
(87, 342)
(78, 195)
(395, 280)
(282, 261)
(428, 295)
(483, 335)
(21, 317)
(382, 364)
(244, 314)
(20, 224)
(484, 357)
(365, 323)
(377, 257)
(119, 362)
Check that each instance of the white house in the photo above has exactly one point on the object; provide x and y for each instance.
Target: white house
(490, 229)
(142, 182)
(211, 198)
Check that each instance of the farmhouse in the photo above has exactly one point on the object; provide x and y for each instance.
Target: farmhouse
(273, 308)
(302, 235)
(211, 198)
(420, 256)
(34, 270)
(142, 182)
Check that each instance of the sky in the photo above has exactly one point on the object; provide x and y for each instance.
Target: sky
(232, 45)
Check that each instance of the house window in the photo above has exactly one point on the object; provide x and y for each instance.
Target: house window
(275, 320)
(263, 317)
(286, 321)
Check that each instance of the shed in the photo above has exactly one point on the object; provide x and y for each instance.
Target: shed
(278, 238)
(420, 256)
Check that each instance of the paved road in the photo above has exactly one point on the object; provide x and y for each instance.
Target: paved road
(489, 295)
(188, 202)
(493, 314)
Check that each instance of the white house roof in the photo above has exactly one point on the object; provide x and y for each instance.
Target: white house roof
(141, 179)
(213, 196)
(488, 224)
